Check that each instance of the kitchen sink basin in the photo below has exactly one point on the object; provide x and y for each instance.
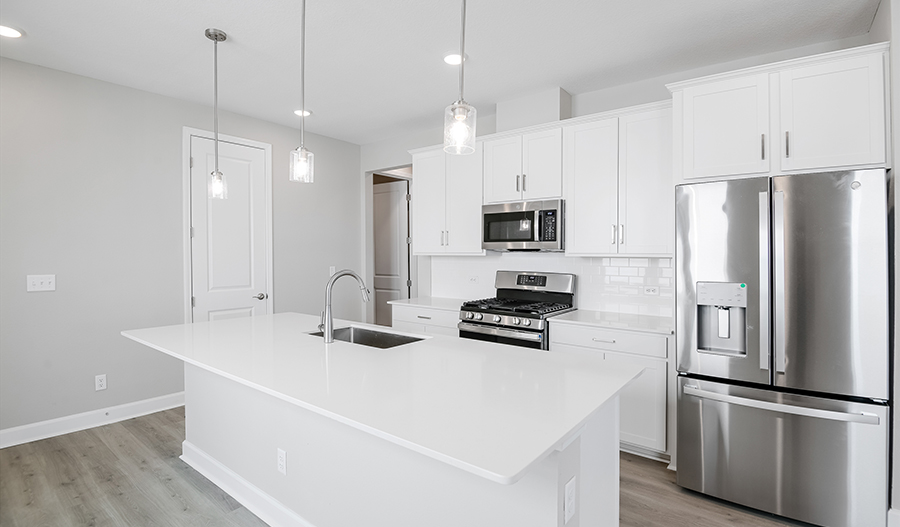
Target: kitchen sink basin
(369, 337)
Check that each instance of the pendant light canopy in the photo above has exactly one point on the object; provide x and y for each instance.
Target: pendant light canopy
(217, 187)
(459, 117)
(302, 167)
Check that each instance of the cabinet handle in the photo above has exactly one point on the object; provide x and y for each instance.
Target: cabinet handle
(448, 238)
(613, 234)
(442, 238)
(517, 183)
(595, 339)
(523, 183)
(622, 234)
(420, 316)
(787, 144)
(762, 145)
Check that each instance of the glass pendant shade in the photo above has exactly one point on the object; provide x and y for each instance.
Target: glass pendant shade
(217, 187)
(459, 128)
(302, 167)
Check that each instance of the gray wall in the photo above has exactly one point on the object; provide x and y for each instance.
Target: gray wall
(91, 190)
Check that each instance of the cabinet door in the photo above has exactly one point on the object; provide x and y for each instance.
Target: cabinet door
(542, 165)
(646, 201)
(590, 167)
(832, 115)
(724, 127)
(428, 191)
(643, 403)
(503, 170)
(464, 203)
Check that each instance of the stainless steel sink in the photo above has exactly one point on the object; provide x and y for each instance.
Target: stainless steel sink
(369, 337)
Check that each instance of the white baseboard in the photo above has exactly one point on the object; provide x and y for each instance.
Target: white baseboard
(264, 506)
(73, 423)
(893, 517)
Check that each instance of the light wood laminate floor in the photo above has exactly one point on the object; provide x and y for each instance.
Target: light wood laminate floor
(129, 474)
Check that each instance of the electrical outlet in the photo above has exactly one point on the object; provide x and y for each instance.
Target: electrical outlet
(569, 501)
(40, 282)
(651, 290)
(100, 382)
(282, 461)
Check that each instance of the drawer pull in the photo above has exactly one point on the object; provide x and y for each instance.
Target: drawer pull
(420, 316)
(595, 339)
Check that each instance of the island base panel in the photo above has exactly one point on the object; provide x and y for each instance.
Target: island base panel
(338, 475)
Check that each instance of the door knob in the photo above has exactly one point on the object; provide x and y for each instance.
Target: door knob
(261, 296)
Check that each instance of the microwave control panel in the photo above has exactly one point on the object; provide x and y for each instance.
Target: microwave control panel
(548, 226)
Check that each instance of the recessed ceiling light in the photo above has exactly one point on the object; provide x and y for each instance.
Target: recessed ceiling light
(307, 113)
(11, 32)
(453, 58)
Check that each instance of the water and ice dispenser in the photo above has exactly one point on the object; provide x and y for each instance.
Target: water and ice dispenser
(722, 318)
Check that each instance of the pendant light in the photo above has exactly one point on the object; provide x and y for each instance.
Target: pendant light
(301, 158)
(459, 117)
(217, 187)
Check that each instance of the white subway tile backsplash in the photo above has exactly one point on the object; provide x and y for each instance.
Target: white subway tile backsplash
(639, 262)
(614, 284)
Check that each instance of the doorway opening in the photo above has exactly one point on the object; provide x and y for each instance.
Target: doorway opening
(393, 264)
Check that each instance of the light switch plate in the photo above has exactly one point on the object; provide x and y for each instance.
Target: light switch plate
(40, 282)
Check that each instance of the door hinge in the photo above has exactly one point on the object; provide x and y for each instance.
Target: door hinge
(408, 240)
(409, 283)
(193, 302)
(408, 197)
(192, 162)
(192, 232)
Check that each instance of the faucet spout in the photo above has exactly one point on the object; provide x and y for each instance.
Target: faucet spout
(328, 330)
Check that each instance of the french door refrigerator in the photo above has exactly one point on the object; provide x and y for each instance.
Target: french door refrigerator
(782, 344)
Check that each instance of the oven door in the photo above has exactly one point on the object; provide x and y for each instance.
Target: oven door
(514, 337)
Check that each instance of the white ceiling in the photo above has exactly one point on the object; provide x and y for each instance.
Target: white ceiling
(374, 67)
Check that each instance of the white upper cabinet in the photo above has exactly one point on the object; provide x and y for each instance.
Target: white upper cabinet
(446, 203)
(646, 202)
(617, 175)
(832, 114)
(818, 113)
(725, 126)
(591, 173)
(523, 167)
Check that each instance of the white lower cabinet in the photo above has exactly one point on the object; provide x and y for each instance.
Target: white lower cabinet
(422, 319)
(643, 404)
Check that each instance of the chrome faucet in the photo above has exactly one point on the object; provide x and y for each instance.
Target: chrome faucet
(327, 325)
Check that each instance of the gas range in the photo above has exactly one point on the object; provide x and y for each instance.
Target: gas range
(517, 315)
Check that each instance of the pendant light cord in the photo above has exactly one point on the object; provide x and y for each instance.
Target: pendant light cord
(302, 70)
(462, 50)
(216, 100)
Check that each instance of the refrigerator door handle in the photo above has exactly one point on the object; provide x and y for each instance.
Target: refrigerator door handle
(778, 250)
(764, 352)
(863, 418)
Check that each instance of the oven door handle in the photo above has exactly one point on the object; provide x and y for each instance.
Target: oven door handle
(501, 332)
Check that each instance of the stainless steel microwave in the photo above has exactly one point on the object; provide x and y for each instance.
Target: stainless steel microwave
(523, 226)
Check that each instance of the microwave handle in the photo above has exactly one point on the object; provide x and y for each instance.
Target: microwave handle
(539, 225)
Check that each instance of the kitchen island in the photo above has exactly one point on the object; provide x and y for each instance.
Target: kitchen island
(438, 432)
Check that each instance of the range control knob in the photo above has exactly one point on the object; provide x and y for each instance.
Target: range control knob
(478, 316)
(497, 318)
(527, 322)
(517, 321)
(470, 315)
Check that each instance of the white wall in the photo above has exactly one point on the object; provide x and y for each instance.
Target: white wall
(91, 190)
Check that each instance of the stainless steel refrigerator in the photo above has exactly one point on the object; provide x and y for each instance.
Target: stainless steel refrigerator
(782, 344)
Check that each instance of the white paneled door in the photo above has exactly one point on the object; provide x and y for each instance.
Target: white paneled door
(391, 211)
(230, 237)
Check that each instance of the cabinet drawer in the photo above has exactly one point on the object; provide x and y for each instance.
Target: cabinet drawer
(420, 315)
(611, 340)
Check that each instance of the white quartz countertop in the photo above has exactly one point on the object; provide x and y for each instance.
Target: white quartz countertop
(606, 319)
(446, 304)
(489, 409)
